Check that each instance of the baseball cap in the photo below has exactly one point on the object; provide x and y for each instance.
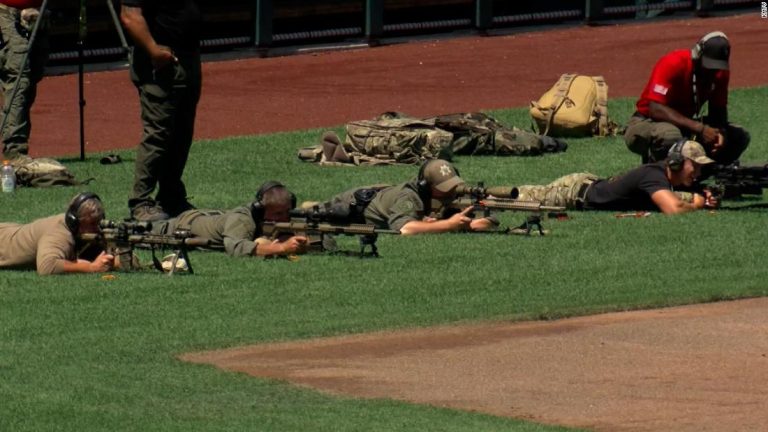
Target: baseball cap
(695, 152)
(715, 52)
(441, 175)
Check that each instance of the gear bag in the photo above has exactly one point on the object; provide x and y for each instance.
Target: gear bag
(576, 106)
(395, 138)
(43, 172)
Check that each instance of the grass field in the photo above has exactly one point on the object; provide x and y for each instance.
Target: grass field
(81, 353)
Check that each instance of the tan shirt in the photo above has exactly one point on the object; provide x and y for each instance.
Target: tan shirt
(43, 244)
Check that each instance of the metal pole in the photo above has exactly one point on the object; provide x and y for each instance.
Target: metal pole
(593, 11)
(704, 7)
(483, 15)
(374, 21)
(262, 36)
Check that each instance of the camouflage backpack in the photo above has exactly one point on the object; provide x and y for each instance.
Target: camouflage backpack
(395, 138)
(43, 172)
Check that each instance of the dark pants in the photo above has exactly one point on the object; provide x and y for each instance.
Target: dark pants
(13, 47)
(652, 140)
(168, 99)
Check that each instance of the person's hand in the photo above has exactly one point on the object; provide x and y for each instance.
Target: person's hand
(710, 137)
(460, 221)
(295, 244)
(103, 263)
(710, 200)
(162, 56)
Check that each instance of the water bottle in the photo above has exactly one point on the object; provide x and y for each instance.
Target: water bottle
(8, 177)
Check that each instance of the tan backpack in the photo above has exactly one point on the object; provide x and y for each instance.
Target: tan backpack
(576, 106)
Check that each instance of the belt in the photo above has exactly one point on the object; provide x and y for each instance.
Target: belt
(582, 194)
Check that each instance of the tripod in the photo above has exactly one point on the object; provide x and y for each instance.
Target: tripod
(82, 33)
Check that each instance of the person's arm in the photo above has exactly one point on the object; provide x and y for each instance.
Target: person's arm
(669, 203)
(136, 26)
(103, 263)
(457, 222)
(293, 245)
(663, 113)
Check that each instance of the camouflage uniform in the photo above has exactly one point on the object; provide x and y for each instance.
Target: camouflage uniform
(14, 45)
(568, 191)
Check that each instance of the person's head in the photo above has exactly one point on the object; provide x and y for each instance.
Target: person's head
(273, 202)
(684, 162)
(440, 178)
(84, 213)
(712, 52)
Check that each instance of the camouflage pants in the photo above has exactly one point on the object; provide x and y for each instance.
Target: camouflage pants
(13, 47)
(652, 140)
(168, 99)
(561, 192)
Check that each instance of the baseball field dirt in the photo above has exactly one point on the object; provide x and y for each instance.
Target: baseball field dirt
(694, 368)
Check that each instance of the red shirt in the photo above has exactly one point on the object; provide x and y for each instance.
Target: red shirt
(22, 4)
(671, 84)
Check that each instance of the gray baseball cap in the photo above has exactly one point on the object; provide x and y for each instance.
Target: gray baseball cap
(441, 175)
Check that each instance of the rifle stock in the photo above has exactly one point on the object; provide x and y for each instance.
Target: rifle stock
(310, 225)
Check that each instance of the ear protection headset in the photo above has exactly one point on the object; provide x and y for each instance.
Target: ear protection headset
(71, 216)
(699, 47)
(257, 207)
(675, 157)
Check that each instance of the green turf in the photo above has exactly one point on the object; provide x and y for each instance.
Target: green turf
(81, 353)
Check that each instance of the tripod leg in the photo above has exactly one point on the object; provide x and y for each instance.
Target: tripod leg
(118, 27)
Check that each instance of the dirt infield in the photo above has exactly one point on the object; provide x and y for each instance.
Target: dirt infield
(697, 368)
(422, 78)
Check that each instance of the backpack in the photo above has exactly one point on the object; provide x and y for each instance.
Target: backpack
(43, 172)
(576, 106)
(394, 138)
(398, 138)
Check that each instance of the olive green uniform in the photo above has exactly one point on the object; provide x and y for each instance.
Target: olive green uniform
(391, 208)
(13, 47)
(234, 230)
(43, 244)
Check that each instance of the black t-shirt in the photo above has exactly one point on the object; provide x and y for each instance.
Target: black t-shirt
(174, 23)
(629, 191)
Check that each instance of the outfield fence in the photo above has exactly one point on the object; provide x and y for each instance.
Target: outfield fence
(266, 24)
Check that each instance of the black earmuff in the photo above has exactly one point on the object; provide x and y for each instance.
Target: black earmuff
(675, 157)
(257, 207)
(71, 218)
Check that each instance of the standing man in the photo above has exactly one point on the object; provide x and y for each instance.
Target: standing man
(652, 186)
(17, 18)
(669, 108)
(165, 68)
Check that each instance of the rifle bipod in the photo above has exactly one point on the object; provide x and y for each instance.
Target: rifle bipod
(179, 253)
(532, 221)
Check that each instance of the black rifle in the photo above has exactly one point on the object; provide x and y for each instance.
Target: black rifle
(120, 238)
(320, 222)
(735, 180)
